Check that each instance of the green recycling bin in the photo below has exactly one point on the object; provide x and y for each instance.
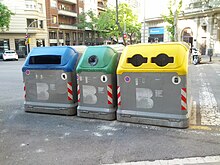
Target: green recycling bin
(96, 83)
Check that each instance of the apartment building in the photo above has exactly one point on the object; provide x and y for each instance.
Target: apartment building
(61, 21)
(29, 20)
(198, 25)
(93, 37)
(62, 16)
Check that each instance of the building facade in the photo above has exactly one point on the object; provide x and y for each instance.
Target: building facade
(198, 24)
(28, 21)
(62, 22)
(48, 23)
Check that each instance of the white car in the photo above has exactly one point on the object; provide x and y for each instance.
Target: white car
(9, 55)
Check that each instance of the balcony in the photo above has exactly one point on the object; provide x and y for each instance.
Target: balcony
(70, 1)
(67, 26)
(101, 6)
(67, 13)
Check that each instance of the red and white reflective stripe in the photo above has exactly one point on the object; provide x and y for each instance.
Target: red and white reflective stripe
(183, 99)
(78, 93)
(70, 90)
(24, 91)
(109, 90)
(119, 95)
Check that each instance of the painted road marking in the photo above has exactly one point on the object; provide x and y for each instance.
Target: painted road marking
(193, 160)
(208, 104)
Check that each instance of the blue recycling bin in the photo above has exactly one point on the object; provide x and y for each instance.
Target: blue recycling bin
(50, 80)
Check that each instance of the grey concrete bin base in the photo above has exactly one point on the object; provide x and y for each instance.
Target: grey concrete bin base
(62, 109)
(151, 121)
(96, 113)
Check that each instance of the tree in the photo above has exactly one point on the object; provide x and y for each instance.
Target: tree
(126, 19)
(87, 20)
(172, 18)
(108, 29)
(82, 24)
(5, 17)
(92, 23)
(129, 21)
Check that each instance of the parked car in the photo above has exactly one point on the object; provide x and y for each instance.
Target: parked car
(10, 55)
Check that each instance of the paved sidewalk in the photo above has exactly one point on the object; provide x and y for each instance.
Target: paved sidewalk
(214, 59)
(208, 160)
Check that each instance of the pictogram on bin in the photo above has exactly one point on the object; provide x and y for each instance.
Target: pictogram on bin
(152, 84)
(50, 80)
(96, 79)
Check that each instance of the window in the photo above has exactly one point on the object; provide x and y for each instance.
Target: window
(67, 36)
(54, 20)
(4, 45)
(90, 35)
(61, 35)
(52, 35)
(53, 3)
(74, 36)
(40, 7)
(32, 23)
(40, 42)
(41, 25)
(96, 35)
(30, 5)
(20, 46)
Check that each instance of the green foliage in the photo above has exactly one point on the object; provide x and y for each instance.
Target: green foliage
(93, 20)
(106, 23)
(128, 19)
(5, 17)
(170, 18)
(82, 24)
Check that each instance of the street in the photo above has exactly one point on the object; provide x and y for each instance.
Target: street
(32, 138)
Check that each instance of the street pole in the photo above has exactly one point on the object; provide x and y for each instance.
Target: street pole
(175, 26)
(118, 24)
(144, 24)
(27, 37)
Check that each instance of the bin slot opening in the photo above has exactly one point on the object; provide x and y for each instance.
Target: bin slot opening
(162, 60)
(45, 59)
(93, 60)
(137, 60)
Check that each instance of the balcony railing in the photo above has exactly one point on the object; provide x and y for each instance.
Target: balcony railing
(67, 26)
(67, 13)
(203, 5)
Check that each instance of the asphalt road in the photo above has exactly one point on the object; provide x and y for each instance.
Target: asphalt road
(31, 138)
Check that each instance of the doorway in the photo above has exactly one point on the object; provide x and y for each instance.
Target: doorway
(187, 36)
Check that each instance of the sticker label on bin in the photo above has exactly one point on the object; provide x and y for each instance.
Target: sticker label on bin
(28, 72)
(127, 79)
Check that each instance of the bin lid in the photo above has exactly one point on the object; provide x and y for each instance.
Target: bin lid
(158, 57)
(51, 58)
(98, 59)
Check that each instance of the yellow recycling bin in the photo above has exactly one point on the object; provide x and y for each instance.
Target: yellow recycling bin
(152, 84)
